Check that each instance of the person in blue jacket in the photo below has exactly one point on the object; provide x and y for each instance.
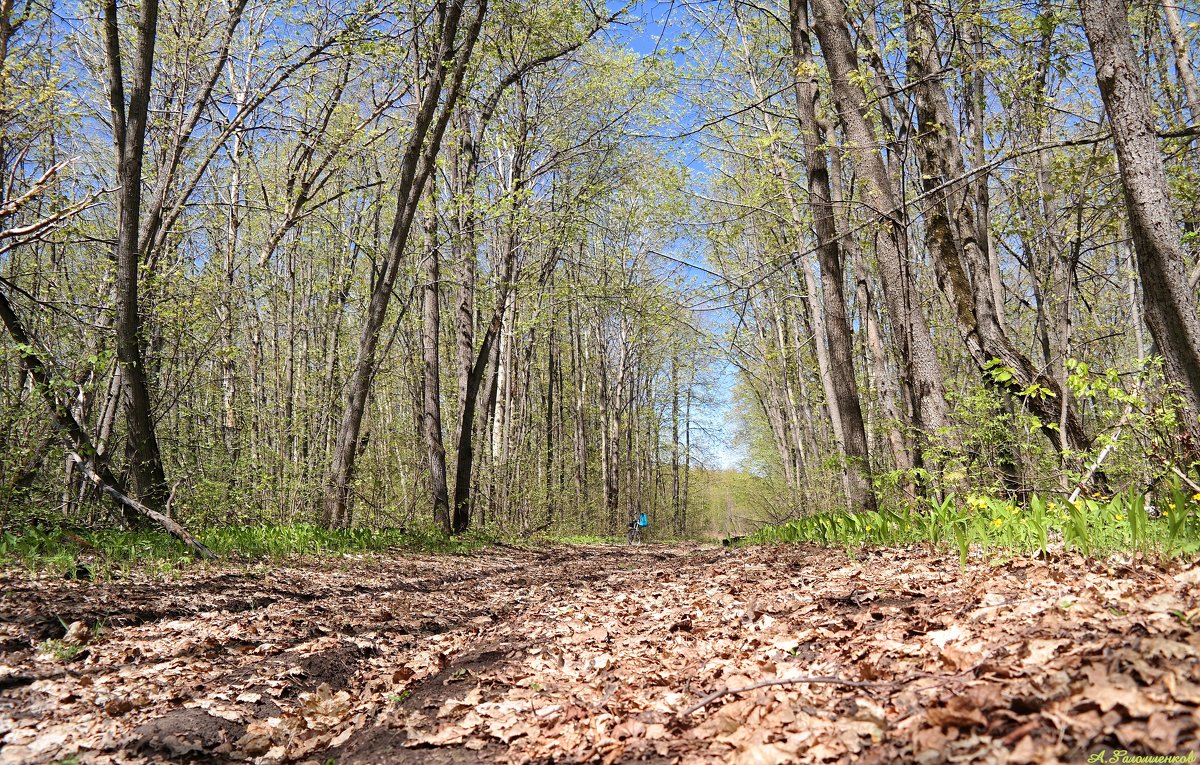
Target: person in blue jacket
(637, 526)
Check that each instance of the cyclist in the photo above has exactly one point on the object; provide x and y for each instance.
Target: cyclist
(636, 526)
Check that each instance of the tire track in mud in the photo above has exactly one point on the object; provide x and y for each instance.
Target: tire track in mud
(267, 637)
(591, 654)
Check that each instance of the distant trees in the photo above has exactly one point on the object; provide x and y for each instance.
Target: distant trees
(436, 262)
(275, 333)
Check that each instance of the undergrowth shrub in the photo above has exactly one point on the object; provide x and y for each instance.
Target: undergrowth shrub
(1092, 525)
(98, 553)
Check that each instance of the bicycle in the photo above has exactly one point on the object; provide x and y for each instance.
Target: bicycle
(634, 530)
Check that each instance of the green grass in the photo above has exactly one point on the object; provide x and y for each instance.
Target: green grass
(580, 539)
(1091, 525)
(401, 697)
(99, 553)
(61, 651)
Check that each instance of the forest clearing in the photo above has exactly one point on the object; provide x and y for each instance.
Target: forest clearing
(611, 654)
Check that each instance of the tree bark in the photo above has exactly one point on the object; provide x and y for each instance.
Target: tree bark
(129, 143)
(922, 370)
(431, 420)
(837, 340)
(1170, 306)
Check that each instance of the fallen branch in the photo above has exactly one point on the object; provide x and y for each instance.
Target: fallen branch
(1100, 458)
(113, 490)
(1183, 477)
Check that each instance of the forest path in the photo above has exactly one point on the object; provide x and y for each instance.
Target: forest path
(596, 654)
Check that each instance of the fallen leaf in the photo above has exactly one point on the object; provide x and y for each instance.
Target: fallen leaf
(764, 754)
(77, 634)
(959, 711)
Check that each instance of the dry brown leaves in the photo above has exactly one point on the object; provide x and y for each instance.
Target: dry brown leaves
(596, 654)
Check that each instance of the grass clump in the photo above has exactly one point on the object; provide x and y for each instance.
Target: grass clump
(61, 651)
(89, 554)
(1094, 526)
(580, 539)
(69, 647)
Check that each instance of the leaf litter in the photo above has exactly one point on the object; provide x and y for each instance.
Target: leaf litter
(655, 653)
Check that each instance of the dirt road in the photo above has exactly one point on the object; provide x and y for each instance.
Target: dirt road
(607, 654)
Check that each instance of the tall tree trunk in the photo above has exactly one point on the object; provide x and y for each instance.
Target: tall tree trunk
(898, 424)
(494, 359)
(129, 142)
(420, 154)
(232, 226)
(687, 449)
(888, 397)
(551, 375)
(1183, 59)
(952, 233)
(581, 369)
(975, 101)
(431, 420)
(1170, 306)
(837, 340)
(676, 486)
(922, 371)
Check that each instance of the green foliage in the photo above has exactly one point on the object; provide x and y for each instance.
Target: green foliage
(579, 539)
(88, 554)
(64, 650)
(59, 650)
(1094, 526)
(1002, 376)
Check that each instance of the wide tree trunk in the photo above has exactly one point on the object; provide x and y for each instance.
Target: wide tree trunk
(1169, 303)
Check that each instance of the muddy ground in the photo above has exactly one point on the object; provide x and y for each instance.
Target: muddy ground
(607, 654)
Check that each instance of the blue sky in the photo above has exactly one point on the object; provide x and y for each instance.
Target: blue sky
(655, 31)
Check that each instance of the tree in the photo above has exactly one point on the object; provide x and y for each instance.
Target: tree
(129, 124)
(445, 70)
(923, 376)
(837, 335)
(1168, 301)
(81, 448)
(952, 233)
